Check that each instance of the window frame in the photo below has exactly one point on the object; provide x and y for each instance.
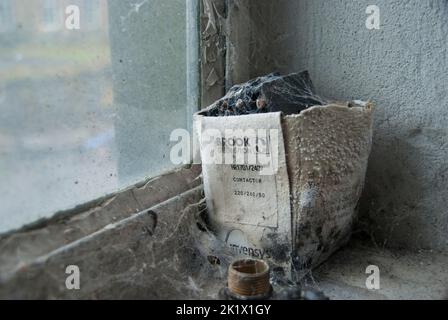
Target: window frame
(195, 86)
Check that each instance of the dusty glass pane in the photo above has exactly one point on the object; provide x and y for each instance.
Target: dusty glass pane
(86, 112)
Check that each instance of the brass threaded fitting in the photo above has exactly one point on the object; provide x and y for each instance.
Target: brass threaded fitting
(249, 278)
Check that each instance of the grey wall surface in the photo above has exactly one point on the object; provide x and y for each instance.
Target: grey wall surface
(403, 67)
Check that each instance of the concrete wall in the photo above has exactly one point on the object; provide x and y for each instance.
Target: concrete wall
(403, 67)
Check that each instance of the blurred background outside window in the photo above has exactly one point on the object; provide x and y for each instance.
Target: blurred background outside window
(85, 113)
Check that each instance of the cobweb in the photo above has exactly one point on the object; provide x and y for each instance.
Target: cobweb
(289, 94)
(212, 257)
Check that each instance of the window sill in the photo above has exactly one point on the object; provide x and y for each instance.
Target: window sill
(33, 260)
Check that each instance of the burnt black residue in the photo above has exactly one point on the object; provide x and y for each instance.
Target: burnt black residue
(151, 227)
(289, 94)
(278, 249)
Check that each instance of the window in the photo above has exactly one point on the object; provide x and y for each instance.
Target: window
(6, 15)
(87, 113)
(91, 10)
(51, 13)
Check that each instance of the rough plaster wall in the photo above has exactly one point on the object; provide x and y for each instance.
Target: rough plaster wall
(403, 67)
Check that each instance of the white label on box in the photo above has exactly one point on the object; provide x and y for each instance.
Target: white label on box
(246, 182)
(250, 198)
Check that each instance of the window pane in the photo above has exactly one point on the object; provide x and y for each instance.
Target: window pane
(87, 112)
